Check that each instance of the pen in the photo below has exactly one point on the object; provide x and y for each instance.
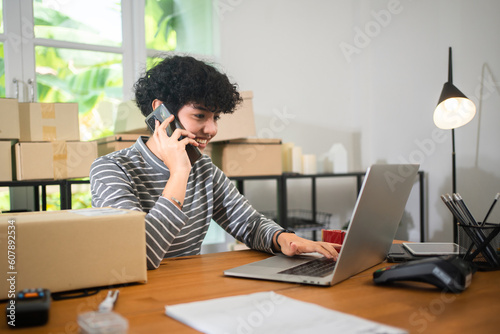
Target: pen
(491, 208)
(461, 204)
(459, 210)
(449, 203)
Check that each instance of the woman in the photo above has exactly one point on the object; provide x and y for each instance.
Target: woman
(180, 200)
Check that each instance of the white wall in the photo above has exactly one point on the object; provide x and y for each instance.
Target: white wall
(368, 73)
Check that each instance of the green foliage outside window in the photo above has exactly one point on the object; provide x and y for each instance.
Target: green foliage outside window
(159, 23)
(87, 77)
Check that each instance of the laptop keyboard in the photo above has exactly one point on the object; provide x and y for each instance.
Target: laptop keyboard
(319, 267)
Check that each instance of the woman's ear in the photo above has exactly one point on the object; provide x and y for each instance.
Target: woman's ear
(156, 103)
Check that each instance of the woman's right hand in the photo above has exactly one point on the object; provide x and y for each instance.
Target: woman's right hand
(172, 151)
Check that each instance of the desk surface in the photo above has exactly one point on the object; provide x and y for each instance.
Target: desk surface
(417, 308)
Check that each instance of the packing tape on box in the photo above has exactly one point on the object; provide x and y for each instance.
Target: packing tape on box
(49, 133)
(48, 110)
(59, 158)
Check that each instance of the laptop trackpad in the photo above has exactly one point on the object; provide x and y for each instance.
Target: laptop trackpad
(283, 261)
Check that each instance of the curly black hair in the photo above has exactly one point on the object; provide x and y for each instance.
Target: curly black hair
(180, 80)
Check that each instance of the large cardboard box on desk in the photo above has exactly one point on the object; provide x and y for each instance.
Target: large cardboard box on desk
(71, 249)
(49, 121)
(9, 119)
(239, 124)
(248, 157)
(115, 143)
(54, 160)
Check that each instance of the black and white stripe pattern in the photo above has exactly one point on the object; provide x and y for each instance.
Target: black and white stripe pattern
(134, 179)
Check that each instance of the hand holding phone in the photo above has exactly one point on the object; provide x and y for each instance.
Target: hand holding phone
(161, 113)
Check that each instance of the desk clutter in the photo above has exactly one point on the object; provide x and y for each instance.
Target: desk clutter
(181, 281)
(42, 141)
(480, 238)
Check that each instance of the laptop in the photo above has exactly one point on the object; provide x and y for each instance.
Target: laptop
(374, 222)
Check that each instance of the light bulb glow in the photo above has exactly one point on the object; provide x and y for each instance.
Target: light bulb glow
(454, 112)
(450, 104)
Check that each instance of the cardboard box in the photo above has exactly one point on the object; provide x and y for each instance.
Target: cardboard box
(48, 121)
(115, 143)
(6, 160)
(239, 124)
(9, 119)
(71, 249)
(129, 119)
(54, 160)
(248, 157)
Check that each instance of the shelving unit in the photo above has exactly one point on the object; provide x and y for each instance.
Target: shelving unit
(40, 191)
(281, 186)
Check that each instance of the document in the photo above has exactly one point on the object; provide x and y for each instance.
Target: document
(269, 312)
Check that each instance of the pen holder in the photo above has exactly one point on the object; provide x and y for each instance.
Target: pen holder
(482, 243)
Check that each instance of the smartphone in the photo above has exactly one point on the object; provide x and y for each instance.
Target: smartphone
(161, 113)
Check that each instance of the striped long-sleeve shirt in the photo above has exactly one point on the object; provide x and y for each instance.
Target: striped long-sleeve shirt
(134, 178)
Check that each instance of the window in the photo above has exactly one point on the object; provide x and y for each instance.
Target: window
(90, 70)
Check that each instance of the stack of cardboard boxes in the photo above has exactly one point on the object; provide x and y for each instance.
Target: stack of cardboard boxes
(40, 141)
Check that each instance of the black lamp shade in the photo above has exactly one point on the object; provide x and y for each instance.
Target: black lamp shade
(454, 109)
(449, 91)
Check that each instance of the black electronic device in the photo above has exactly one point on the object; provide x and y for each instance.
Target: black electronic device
(448, 273)
(29, 308)
(161, 113)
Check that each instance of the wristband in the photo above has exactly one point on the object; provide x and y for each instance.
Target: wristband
(278, 234)
(177, 202)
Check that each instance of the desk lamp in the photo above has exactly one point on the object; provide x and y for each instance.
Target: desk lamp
(454, 110)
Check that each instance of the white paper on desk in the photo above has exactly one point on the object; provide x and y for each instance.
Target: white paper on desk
(268, 312)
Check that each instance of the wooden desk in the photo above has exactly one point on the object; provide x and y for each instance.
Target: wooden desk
(417, 308)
